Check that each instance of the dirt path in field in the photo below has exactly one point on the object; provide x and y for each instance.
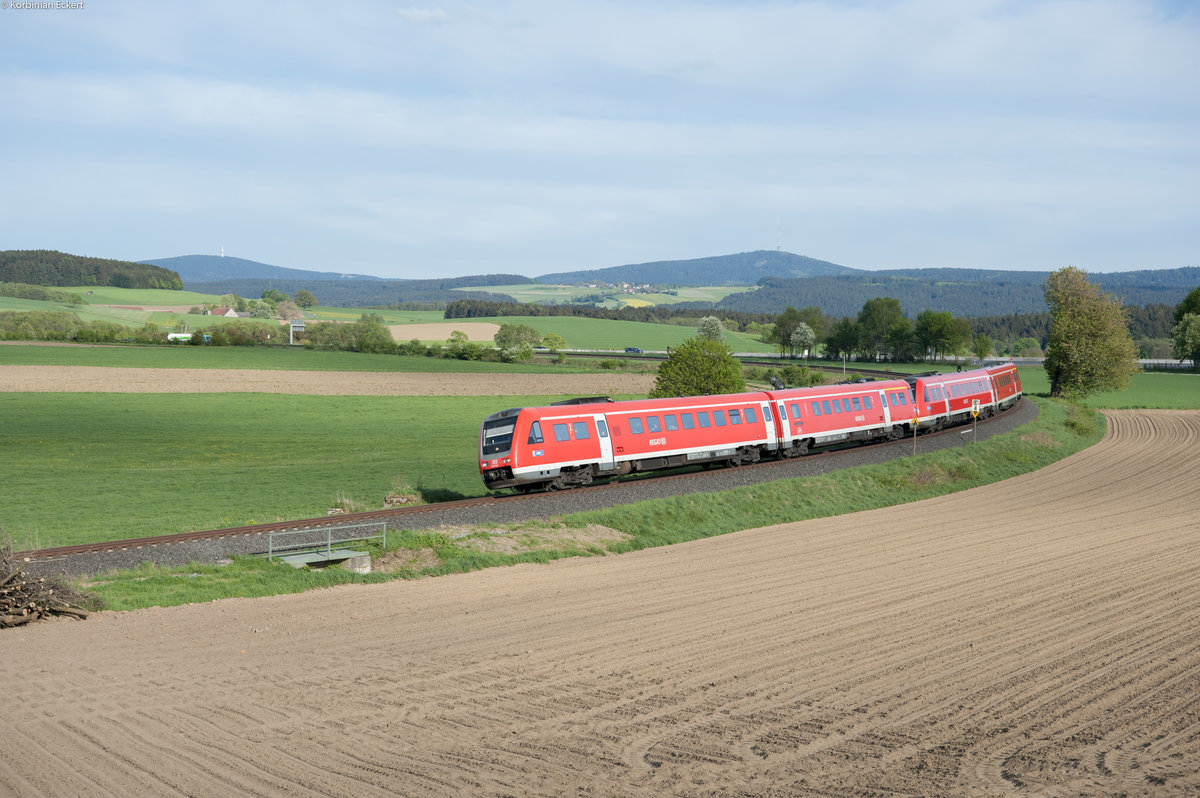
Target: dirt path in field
(1038, 636)
(99, 379)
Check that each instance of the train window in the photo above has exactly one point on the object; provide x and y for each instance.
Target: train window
(561, 433)
(816, 406)
(582, 433)
(892, 399)
(497, 435)
(857, 402)
(735, 416)
(600, 425)
(535, 432)
(653, 424)
(825, 406)
(719, 417)
(752, 417)
(796, 410)
(837, 405)
(903, 398)
(670, 423)
(867, 402)
(704, 420)
(927, 399)
(635, 425)
(688, 423)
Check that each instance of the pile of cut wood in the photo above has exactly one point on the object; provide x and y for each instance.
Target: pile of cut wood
(25, 598)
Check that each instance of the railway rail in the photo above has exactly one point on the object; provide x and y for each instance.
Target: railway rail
(518, 506)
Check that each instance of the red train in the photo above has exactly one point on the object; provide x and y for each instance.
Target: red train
(571, 443)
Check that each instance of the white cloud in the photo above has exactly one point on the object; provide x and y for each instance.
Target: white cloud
(421, 15)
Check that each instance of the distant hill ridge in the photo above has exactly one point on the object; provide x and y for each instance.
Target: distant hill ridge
(214, 268)
(744, 268)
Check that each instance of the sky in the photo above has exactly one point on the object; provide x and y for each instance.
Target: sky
(529, 137)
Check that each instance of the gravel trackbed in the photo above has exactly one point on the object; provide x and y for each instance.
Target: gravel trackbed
(1048, 645)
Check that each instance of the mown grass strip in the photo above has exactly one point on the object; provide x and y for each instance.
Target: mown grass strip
(1059, 431)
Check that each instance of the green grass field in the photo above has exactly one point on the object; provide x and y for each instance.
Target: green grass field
(1168, 391)
(88, 467)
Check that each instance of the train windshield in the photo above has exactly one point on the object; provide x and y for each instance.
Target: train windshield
(496, 438)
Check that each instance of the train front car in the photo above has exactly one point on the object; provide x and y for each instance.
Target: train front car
(495, 449)
(561, 446)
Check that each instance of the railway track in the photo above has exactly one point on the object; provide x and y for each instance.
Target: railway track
(502, 508)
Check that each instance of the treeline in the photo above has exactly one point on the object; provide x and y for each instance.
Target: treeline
(40, 293)
(51, 268)
(40, 325)
(960, 291)
(654, 314)
(1152, 321)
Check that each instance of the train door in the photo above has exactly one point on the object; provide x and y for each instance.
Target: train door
(769, 425)
(606, 447)
(887, 412)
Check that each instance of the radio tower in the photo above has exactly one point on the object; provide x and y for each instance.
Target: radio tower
(778, 238)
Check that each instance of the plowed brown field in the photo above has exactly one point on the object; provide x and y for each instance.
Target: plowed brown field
(1038, 636)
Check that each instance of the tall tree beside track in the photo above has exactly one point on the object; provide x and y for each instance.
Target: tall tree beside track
(699, 367)
(1190, 304)
(1185, 338)
(1089, 349)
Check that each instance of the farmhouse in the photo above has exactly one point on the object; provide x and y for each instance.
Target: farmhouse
(229, 313)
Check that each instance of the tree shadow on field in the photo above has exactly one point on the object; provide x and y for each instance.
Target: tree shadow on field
(436, 495)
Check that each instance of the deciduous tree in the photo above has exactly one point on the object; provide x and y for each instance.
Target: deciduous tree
(699, 367)
(710, 328)
(874, 320)
(1185, 338)
(803, 338)
(1089, 349)
(1190, 304)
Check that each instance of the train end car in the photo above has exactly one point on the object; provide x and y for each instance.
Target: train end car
(954, 397)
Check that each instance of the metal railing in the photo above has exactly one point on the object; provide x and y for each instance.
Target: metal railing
(323, 539)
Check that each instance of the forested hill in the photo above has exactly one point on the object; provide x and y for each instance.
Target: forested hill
(745, 268)
(963, 292)
(213, 268)
(52, 268)
(369, 293)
